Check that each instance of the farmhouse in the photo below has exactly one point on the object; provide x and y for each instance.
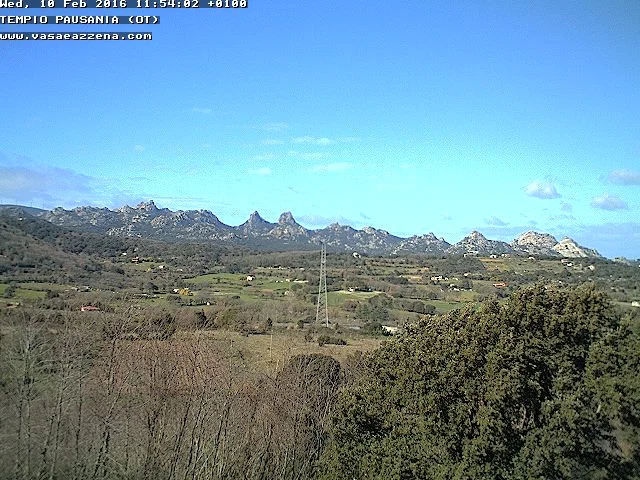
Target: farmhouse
(390, 330)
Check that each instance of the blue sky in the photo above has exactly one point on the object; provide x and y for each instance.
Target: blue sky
(410, 116)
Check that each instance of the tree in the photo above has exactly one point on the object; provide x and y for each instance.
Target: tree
(307, 387)
(525, 389)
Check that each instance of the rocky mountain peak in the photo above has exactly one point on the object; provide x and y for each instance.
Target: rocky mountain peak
(427, 243)
(288, 229)
(376, 231)
(255, 225)
(148, 221)
(255, 217)
(476, 235)
(536, 239)
(256, 221)
(535, 243)
(477, 244)
(567, 247)
(149, 206)
(287, 219)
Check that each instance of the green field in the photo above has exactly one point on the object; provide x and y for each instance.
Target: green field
(336, 299)
(24, 291)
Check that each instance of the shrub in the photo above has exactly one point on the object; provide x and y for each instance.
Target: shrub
(329, 340)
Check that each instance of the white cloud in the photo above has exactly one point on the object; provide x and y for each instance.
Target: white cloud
(261, 171)
(543, 190)
(25, 182)
(138, 148)
(608, 202)
(50, 187)
(313, 140)
(624, 177)
(332, 167)
(204, 111)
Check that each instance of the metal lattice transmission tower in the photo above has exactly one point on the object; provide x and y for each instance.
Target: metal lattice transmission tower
(322, 313)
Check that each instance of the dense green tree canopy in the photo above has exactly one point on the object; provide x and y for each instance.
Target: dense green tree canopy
(542, 386)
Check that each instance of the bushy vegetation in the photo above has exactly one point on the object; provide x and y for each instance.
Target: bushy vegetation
(93, 395)
(542, 386)
(330, 340)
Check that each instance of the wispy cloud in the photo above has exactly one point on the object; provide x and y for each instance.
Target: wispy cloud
(447, 216)
(308, 155)
(275, 126)
(272, 141)
(261, 171)
(50, 187)
(495, 221)
(561, 217)
(544, 190)
(624, 177)
(566, 207)
(190, 202)
(204, 111)
(314, 221)
(313, 140)
(608, 202)
(501, 232)
(348, 139)
(138, 148)
(613, 239)
(264, 157)
(332, 167)
(27, 181)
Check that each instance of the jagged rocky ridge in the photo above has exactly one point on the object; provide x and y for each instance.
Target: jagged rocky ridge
(149, 221)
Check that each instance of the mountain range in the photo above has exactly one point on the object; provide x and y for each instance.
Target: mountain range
(148, 221)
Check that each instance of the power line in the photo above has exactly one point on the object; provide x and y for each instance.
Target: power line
(322, 289)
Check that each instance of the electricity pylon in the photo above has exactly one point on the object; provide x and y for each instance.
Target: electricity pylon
(322, 311)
